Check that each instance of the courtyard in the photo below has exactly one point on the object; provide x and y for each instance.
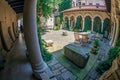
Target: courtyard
(64, 64)
(60, 40)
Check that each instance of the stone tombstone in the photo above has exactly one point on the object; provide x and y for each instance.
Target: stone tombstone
(76, 55)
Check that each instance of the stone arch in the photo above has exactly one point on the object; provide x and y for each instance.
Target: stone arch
(72, 21)
(88, 15)
(98, 16)
(71, 16)
(78, 24)
(106, 17)
(67, 23)
(97, 24)
(65, 17)
(4, 44)
(106, 28)
(10, 34)
(87, 23)
(79, 15)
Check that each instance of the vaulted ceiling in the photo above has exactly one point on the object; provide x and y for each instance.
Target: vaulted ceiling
(18, 5)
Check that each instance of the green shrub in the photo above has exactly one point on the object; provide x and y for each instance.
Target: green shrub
(76, 29)
(58, 21)
(47, 56)
(56, 28)
(70, 28)
(113, 52)
(118, 42)
(119, 53)
(96, 42)
(105, 65)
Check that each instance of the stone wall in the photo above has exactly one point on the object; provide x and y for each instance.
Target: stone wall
(8, 18)
(114, 21)
(114, 72)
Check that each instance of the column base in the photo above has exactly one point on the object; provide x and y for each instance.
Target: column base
(44, 74)
(37, 68)
(41, 68)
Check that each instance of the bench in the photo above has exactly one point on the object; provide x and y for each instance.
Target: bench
(48, 43)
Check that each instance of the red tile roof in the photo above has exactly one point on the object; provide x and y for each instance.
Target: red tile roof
(86, 8)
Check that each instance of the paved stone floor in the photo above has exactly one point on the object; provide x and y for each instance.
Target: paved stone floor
(18, 67)
(60, 72)
(60, 41)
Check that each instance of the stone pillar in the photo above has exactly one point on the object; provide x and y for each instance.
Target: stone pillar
(69, 22)
(75, 21)
(92, 25)
(31, 38)
(112, 34)
(116, 33)
(83, 23)
(102, 26)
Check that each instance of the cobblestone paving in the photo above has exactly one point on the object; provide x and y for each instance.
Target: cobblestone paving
(60, 72)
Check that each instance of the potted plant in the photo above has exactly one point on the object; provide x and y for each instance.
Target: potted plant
(96, 43)
(95, 48)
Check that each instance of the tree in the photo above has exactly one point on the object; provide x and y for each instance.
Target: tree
(45, 7)
(65, 4)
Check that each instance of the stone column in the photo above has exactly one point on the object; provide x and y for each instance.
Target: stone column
(112, 33)
(102, 26)
(75, 21)
(83, 23)
(116, 33)
(92, 25)
(31, 37)
(69, 22)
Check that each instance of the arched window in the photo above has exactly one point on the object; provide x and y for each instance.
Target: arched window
(10, 34)
(97, 25)
(67, 23)
(78, 24)
(87, 24)
(106, 28)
